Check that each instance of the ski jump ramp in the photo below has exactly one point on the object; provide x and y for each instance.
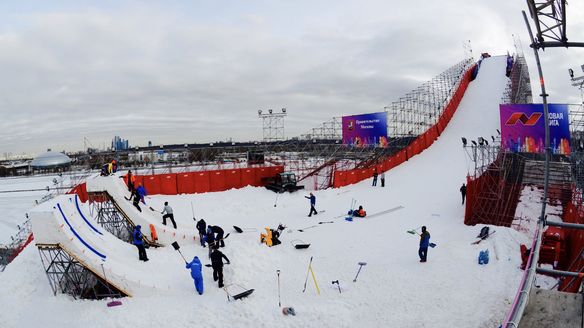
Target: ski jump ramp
(119, 195)
(64, 223)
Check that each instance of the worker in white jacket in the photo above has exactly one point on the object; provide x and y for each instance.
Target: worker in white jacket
(168, 210)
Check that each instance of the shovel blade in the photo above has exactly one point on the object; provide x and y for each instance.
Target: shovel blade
(175, 246)
(113, 303)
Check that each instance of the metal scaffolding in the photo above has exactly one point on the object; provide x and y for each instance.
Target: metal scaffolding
(412, 114)
(518, 89)
(273, 124)
(498, 174)
(330, 130)
(69, 276)
(109, 216)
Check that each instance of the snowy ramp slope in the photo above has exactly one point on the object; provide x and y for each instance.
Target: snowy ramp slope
(67, 223)
(118, 192)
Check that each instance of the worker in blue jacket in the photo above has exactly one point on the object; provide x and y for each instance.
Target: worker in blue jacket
(312, 204)
(197, 274)
(424, 243)
(138, 240)
(141, 191)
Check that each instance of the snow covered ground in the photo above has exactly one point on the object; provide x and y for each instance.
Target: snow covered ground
(393, 290)
(15, 205)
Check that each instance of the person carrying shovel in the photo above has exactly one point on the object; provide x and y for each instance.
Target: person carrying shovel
(196, 273)
(424, 243)
(217, 264)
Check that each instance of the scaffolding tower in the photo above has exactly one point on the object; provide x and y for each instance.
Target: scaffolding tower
(498, 174)
(69, 276)
(273, 124)
(330, 130)
(518, 89)
(109, 216)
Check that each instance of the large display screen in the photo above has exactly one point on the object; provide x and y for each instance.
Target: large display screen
(523, 128)
(365, 130)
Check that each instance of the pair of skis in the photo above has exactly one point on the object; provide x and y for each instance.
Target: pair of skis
(482, 238)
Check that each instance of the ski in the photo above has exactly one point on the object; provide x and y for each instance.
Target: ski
(397, 208)
(479, 241)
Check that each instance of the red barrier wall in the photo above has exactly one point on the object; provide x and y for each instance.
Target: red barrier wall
(233, 179)
(574, 243)
(217, 180)
(201, 181)
(185, 183)
(197, 182)
(248, 177)
(168, 184)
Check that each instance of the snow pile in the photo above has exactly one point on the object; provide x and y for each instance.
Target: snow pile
(394, 289)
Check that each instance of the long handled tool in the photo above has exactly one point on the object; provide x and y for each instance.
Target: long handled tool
(414, 231)
(279, 302)
(193, 211)
(276, 202)
(312, 226)
(310, 271)
(338, 285)
(307, 273)
(177, 248)
(361, 264)
(111, 303)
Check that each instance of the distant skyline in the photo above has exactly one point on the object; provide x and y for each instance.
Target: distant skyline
(198, 71)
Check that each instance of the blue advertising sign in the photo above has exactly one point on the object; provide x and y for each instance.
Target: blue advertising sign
(523, 128)
(365, 130)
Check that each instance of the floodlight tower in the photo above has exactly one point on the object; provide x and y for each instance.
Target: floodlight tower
(577, 81)
(273, 124)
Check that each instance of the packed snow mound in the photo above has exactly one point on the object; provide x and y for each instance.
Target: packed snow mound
(68, 225)
(393, 290)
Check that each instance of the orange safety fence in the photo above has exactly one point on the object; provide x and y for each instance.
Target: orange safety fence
(196, 182)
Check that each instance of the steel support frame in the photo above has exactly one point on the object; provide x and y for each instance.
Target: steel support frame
(68, 276)
(109, 217)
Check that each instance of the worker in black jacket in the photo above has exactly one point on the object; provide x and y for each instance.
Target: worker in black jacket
(463, 192)
(218, 232)
(202, 227)
(217, 264)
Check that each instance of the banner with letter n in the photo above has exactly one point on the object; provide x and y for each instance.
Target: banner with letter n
(523, 128)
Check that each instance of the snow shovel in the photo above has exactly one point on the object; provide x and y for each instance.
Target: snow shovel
(361, 264)
(245, 293)
(177, 248)
(313, 226)
(111, 303)
(414, 231)
(242, 230)
(338, 285)
(299, 244)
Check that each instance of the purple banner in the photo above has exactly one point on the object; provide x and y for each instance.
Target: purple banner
(523, 128)
(365, 130)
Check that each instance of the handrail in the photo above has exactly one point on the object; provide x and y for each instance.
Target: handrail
(522, 296)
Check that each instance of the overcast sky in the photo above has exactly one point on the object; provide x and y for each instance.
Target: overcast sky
(198, 71)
